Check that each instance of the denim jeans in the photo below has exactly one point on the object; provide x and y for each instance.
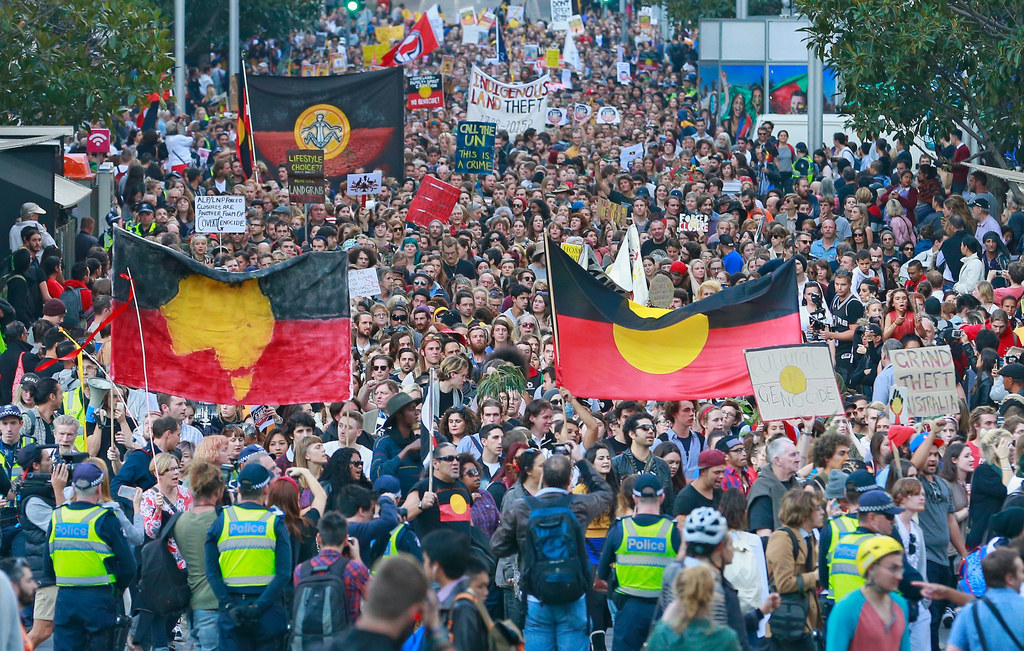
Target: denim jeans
(558, 628)
(204, 630)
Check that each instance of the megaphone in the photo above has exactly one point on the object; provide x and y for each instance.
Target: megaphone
(98, 390)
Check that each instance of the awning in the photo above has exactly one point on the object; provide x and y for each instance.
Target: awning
(68, 193)
(1012, 176)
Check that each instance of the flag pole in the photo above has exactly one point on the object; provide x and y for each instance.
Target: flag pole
(432, 396)
(546, 243)
(248, 119)
(142, 341)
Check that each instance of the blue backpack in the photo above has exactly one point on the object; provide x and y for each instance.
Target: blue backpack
(972, 579)
(556, 569)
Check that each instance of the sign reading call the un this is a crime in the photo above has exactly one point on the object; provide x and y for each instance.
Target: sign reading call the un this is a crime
(793, 381)
(475, 147)
(929, 378)
(221, 214)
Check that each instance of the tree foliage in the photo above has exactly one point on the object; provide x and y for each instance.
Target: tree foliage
(682, 11)
(66, 61)
(206, 23)
(920, 67)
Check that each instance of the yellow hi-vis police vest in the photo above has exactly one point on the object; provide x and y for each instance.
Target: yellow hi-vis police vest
(392, 547)
(843, 575)
(77, 550)
(75, 406)
(642, 556)
(246, 547)
(839, 526)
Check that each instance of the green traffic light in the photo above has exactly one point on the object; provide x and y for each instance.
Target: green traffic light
(352, 5)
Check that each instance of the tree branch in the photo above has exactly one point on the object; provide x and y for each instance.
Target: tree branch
(966, 11)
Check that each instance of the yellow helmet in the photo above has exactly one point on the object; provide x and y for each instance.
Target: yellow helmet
(873, 549)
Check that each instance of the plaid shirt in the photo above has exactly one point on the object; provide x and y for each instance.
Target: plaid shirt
(740, 478)
(485, 513)
(356, 577)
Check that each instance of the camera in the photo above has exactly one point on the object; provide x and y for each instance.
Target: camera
(72, 460)
(1012, 359)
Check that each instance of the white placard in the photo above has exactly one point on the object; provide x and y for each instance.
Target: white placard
(470, 34)
(561, 12)
(627, 154)
(359, 184)
(608, 115)
(929, 377)
(622, 73)
(794, 381)
(220, 214)
(567, 79)
(363, 282)
(513, 107)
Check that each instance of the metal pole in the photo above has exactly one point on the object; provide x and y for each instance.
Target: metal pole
(741, 9)
(179, 55)
(815, 108)
(625, 22)
(233, 46)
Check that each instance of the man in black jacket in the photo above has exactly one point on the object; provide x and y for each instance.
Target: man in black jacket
(446, 554)
(19, 352)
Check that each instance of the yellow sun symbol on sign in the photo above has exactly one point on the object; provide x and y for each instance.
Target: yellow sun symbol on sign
(425, 91)
(323, 126)
(792, 380)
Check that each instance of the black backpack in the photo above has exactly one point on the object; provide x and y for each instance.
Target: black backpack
(554, 561)
(164, 586)
(318, 608)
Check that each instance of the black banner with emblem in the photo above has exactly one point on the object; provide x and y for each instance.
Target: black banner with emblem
(357, 120)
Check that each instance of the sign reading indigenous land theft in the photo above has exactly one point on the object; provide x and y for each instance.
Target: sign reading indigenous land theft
(793, 381)
(220, 214)
(930, 379)
(512, 107)
(306, 177)
(474, 152)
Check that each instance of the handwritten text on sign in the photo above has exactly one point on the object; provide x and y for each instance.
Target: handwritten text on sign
(793, 381)
(930, 379)
(223, 214)
(475, 147)
(512, 107)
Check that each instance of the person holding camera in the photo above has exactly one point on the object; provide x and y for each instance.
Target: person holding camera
(846, 310)
(867, 356)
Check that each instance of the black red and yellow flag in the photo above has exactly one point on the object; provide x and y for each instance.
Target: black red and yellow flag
(243, 140)
(276, 336)
(609, 347)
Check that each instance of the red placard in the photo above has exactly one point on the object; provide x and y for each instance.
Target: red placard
(434, 200)
(98, 141)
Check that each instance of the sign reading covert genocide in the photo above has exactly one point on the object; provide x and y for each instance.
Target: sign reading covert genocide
(475, 147)
(306, 178)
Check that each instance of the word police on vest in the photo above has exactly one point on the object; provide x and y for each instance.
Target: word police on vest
(247, 529)
(646, 545)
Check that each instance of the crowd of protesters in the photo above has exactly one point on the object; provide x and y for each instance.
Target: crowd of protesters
(560, 520)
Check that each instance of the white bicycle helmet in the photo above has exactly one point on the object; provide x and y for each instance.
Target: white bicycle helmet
(705, 525)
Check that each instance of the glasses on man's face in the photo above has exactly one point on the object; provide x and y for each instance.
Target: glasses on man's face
(379, 368)
(419, 283)
(556, 402)
(645, 428)
(449, 458)
(399, 317)
(528, 279)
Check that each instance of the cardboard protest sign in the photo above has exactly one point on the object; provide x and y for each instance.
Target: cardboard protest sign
(611, 211)
(363, 184)
(339, 62)
(447, 64)
(486, 20)
(308, 69)
(387, 34)
(424, 92)
(220, 214)
(474, 153)
(576, 24)
(470, 34)
(628, 154)
(896, 406)
(261, 417)
(608, 115)
(567, 79)
(363, 282)
(530, 52)
(793, 381)
(372, 54)
(929, 378)
(98, 141)
(511, 107)
(561, 12)
(622, 73)
(694, 222)
(662, 292)
(306, 175)
(467, 17)
(515, 15)
(552, 57)
(434, 200)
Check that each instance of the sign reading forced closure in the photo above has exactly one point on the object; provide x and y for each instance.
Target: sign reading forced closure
(929, 378)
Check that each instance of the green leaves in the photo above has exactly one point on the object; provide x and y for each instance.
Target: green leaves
(923, 66)
(72, 61)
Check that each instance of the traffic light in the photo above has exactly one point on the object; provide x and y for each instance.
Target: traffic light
(353, 7)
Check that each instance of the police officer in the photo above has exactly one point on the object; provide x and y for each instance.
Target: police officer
(640, 546)
(401, 538)
(855, 484)
(11, 442)
(92, 563)
(248, 564)
(143, 224)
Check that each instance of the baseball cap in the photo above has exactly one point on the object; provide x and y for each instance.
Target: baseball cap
(710, 459)
(32, 453)
(726, 240)
(982, 203)
(861, 481)
(387, 484)
(29, 379)
(836, 487)
(1013, 371)
(9, 410)
(248, 452)
(877, 501)
(900, 434)
(253, 476)
(919, 439)
(87, 476)
(31, 208)
(647, 485)
(727, 443)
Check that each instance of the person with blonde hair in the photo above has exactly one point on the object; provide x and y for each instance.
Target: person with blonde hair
(988, 485)
(309, 454)
(687, 624)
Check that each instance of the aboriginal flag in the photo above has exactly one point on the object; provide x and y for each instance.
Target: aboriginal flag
(274, 336)
(609, 347)
(357, 120)
(243, 140)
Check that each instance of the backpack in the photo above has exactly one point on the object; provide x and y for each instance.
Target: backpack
(790, 617)
(972, 579)
(502, 635)
(318, 608)
(72, 300)
(164, 585)
(4, 281)
(556, 570)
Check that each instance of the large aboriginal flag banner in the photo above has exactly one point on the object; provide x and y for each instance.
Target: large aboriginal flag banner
(609, 347)
(357, 120)
(275, 336)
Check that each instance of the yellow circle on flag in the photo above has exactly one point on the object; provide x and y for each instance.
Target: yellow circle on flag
(425, 91)
(793, 380)
(458, 504)
(323, 126)
(665, 350)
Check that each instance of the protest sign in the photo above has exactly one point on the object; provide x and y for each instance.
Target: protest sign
(561, 12)
(363, 184)
(575, 251)
(896, 406)
(306, 175)
(447, 64)
(929, 378)
(576, 24)
(611, 211)
(512, 107)
(262, 418)
(622, 73)
(556, 116)
(551, 57)
(424, 92)
(486, 20)
(474, 153)
(372, 54)
(387, 34)
(434, 200)
(793, 381)
(694, 222)
(571, 54)
(467, 17)
(628, 154)
(220, 214)
(608, 115)
(515, 15)
(530, 52)
(662, 292)
(567, 79)
(308, 69)
(363, 282)
(470, 34)
(339, 62)
(98, 141)
(581, 112)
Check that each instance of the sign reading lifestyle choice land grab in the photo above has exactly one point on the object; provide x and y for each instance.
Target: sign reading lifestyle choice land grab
(512, 107)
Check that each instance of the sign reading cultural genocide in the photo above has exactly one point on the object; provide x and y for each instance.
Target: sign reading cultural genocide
(793, 381)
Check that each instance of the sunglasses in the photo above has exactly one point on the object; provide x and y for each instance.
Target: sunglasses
(419, 283)
(472, 472)
(357, 463)
(379, 368)
(645, 428)
(399, 317)
(447, 458)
